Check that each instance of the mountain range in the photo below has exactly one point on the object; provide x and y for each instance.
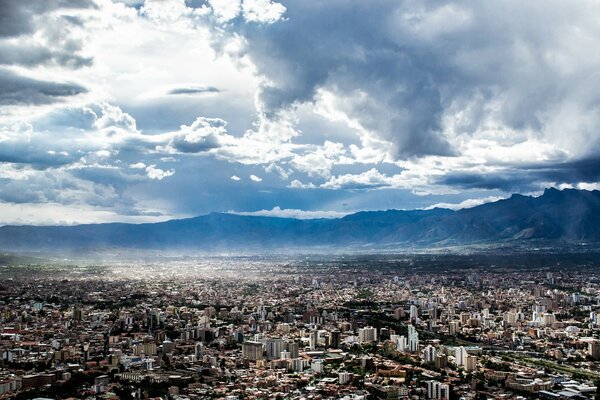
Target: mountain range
(557, 216)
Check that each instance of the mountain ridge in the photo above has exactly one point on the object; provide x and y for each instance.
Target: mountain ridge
(556, 215)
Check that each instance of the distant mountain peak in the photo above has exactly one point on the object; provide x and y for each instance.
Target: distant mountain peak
(557, 215)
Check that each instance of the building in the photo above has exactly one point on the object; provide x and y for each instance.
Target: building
(471, 363)
(334, 340)
(413, 339)
(429, 354)
(252, 351)
(460, 356)
(437, 390)
(594, 349)
(274, 348)
(367, 334)
(344, 378)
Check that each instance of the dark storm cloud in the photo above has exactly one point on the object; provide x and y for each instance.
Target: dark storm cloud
(16, 16)
(32, 55)
(194, 90)
(21, 90)
(527, 178)
(54, 42)
(400, 68)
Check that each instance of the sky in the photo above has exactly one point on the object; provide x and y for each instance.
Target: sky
(142, 111)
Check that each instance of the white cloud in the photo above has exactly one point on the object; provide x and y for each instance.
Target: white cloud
(157, 173)
(138, 165)
(225, 10)
(320, 161)
(55, 213)
(255, 178)
(235, 178)
(469, 203)
(293, 213)
(262, 11)
(370, 179)
(296, 184)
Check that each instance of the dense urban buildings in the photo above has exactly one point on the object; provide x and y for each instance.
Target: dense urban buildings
(388, 327)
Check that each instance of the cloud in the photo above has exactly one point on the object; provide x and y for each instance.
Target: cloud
(55, 213)
(202, 135)
(17, 17)
(402, 105)
(262, 11)
(43, 33)
(259, 11)
(371, 179)
(292, 213)
(468, 203)
(255, 178)
(194, 90)
(20, 90)
(235, 178)
(320, 161)
(398, 74)
(157, 173)
(225, 10)
(296, 184)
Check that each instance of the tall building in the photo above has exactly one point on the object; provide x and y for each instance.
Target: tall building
(367, 334)
(471, 363)
(414, 312)
(274, 348)
(413, 339)
(441, 361)
(460, 356)
(437, 390)
(344, 378)
(594, 349)
(335, 339)
(430, 353)
(402, 344)
(313, 339)
(252, 351)
(292, 347)
(453, 327)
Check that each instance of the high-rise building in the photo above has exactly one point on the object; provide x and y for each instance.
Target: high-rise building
(460, 356)
(313, 339)
(344, 378)
(414, 312)
(413, 339)
(317, 366)
(274, 348)
(441, 361)
(292, 347)
(430, 353)
(335, 338)
(252, 351)
(437, 390)
(402, 344)
(594, 349)
(471, 363)
(453, 327)
(367, 334)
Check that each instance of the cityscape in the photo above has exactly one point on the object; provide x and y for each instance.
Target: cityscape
(299, 199)
(312, 327)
